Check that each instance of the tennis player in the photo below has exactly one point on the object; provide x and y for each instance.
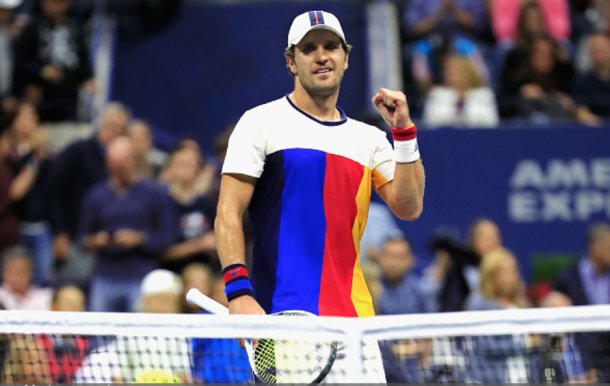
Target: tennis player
(305, 171)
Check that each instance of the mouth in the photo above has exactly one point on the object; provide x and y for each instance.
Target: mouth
(322, 71)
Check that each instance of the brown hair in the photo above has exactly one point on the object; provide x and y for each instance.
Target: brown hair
(289, 53)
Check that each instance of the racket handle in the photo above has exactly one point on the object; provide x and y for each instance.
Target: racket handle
(194, 296)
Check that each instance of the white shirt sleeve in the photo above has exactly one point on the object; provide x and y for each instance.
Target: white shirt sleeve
(383, 164)
(246, 153)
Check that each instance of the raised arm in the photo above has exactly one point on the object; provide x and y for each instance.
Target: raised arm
(405, 194)
(236, 191)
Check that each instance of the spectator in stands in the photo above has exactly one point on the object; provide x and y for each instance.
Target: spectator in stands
(400, 294)
(592, 90)
(401, 288)
(52, 62)
(501, 288)
(17, 291)
(195, 241)
(9, 222)
(7, 34)
(25, 361)
(140, 135)
(518, 21)
(208, 179)
(101, 365)
(588, 283)
(540, 86)
(196, 275)
(144, 359)
(557, 352)
(501, 284)
(31, 167)
(440, 27)
(454, 275)
(484, 236)
(128, 223)
(463, 100)
(65, 353)
(80, 166)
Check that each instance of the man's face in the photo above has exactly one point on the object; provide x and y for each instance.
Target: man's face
(319, 63)
(486, 238)
(17, 274)
(120, 161)
(113, 126)
(599, 50)
(396, 259)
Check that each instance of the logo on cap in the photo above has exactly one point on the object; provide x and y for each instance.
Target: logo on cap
(316, 17)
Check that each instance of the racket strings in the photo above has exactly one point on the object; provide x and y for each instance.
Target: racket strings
(292, 361)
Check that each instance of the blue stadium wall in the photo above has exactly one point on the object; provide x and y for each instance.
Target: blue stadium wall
(215, 61)
(542, 186)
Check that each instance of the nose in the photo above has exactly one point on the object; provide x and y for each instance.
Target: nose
(321, 56)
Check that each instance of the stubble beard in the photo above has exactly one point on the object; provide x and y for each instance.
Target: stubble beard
(317, 91)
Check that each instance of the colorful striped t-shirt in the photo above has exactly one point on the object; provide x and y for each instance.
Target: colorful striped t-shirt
(309, 206)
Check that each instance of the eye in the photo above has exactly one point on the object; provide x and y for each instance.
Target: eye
(331, 46)
(308, 48)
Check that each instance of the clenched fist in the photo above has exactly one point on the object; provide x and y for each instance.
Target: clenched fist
(392, 105)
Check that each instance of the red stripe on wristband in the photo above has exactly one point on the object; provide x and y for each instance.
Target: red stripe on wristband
(404, 134)
(234, 271)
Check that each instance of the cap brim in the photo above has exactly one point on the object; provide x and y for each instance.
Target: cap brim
(316, 27)
(10, 4)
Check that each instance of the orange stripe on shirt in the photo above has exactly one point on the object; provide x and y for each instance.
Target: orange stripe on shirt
(361, 297)
(378, 179)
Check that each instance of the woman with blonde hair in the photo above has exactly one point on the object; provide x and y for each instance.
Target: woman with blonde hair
(501, 284)
(463, 99)
(498, 359)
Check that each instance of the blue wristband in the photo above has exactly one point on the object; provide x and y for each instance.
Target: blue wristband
(236, 281)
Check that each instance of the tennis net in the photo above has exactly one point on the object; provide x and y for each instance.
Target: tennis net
(513, 346)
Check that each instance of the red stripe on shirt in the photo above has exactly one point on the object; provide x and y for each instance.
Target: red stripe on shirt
(341, 183)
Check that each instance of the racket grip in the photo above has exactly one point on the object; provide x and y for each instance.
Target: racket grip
(194, 296)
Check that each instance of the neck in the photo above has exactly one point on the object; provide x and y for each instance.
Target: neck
(121, 186)
(600, 268)
(322, 108)
(182, 192)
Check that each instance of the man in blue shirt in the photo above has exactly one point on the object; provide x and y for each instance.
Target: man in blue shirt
(128, 223)
(402, 294)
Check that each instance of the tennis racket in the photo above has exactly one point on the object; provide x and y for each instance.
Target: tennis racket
(280, 360)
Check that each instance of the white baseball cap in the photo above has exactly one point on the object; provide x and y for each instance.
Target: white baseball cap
(160, 281)
(10, 4)
(313, 20)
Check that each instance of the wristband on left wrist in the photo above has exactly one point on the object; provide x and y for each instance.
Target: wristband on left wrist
(406, 149)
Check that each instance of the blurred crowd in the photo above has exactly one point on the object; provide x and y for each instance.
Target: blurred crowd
(470, 63)
(482, 274)
(102, 226)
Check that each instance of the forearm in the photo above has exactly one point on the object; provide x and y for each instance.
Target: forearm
(426, 25)
(90, 243)
(230, 239)
(181, 250)
(407, 194)
(464, 19)
(21, 185)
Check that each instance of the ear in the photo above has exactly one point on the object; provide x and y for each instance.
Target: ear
(291, 64)
(346, 64)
